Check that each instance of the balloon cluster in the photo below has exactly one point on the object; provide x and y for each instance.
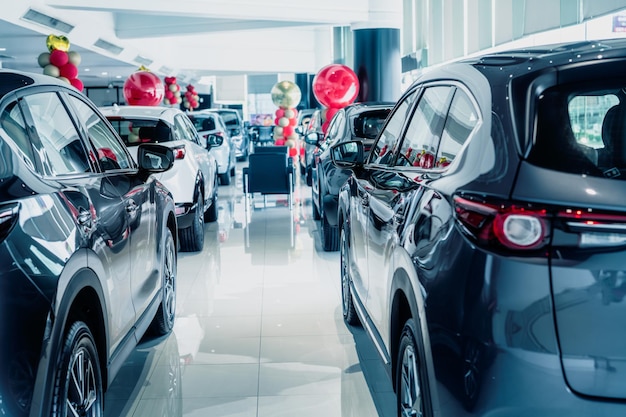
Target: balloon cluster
(191, 99)
(143, 88)
(286, 95)
(335, 86)
(172, 92)
(60, 62)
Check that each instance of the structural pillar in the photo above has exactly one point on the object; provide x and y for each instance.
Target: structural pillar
(377, 55)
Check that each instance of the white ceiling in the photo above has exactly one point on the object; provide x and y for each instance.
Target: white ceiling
(186, 38)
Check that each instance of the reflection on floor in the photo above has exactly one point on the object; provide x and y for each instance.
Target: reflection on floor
(259, 330)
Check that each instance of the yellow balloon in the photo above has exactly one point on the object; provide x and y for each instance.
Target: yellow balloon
(286, 94)
(57, 42)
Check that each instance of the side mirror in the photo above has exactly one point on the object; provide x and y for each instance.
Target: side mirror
(312, 138)
(347, 154)
(154, 158)
(213, 140)
(298, 130)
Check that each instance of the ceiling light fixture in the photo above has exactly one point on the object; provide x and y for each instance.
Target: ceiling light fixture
(108, 46)
(143, 61)
(48, 21)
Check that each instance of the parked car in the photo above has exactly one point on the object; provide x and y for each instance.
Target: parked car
(239, 135)
(483, 241)
(360, 121)
(313, 136)
(75, 212)
(193, 180)
(303, 118)
(210, 123)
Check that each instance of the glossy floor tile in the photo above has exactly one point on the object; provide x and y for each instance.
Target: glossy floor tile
(259, 330)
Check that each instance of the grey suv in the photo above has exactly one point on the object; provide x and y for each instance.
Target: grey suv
(76, 212)
(483, 240)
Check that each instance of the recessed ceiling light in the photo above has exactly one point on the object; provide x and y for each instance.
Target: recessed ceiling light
(104, 73)
(49, 21)
(87, 69)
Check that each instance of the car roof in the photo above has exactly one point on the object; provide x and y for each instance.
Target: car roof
(11, 80)
(152, 112)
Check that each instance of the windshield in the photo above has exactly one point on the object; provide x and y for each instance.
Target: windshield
(137, 131)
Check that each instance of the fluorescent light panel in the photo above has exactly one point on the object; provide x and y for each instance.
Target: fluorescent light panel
(108, 46)
(48, 21)
(143, 61)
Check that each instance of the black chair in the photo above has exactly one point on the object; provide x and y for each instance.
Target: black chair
(268, 172)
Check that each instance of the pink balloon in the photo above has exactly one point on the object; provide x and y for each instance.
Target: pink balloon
(69, 71)
(59, 58)
(143, 88)
(78, 84)
(335, 85)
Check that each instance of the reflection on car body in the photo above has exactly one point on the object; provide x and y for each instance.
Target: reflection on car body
(483, 238)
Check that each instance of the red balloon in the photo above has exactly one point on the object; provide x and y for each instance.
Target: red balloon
(330, 113)
(68, 71)
(335, 85)
(143, 88)
(280, 113)
(58, 58)
(288, 131)
(78, 84)
(293, 151)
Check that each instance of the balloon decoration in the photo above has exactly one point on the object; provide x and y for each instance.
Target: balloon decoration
(60, 62)
(335, 86)
(286, 95)
(172, 92)
(143, 88)
(191, 99)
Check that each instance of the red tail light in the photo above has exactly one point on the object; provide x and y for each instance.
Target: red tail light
(511, 226)
(179, 152)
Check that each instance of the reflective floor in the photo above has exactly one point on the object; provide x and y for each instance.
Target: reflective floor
(259, 329)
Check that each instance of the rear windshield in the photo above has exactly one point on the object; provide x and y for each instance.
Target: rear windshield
(202, 123)
(230, 118)
(137, 131)
(581, 129)
(367, 125)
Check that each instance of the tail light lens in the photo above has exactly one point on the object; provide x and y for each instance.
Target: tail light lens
(503, 225)
(179, 152)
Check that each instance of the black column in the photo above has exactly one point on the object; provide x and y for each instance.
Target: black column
(302, 81)
(377, 63)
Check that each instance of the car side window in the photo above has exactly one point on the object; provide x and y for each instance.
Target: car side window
(382, 151)
(62, 150)
(111, 151)
(185, 130)
(461, 121)
(424, 131)
(12, 122)
(337, 125)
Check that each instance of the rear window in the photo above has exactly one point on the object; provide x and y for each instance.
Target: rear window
(581, 129)
(202, 123)
(230, 118)
(367, 125)
(137, 131)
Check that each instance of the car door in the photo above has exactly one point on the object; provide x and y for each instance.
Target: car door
(393, 188)
(183, 128)
(100, 215)
(138, 203)
(364, 183)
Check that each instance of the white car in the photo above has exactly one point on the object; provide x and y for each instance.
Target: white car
(207, 123)
(193, 179)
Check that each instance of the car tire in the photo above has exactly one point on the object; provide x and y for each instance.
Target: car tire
(349, 312)
(163, 321)
(192, 237)
(78, 381)
(225, 178)
(412, 393)
(315, 212)
(232, 171)
(330, 235)
(309, 177)
(211, 214)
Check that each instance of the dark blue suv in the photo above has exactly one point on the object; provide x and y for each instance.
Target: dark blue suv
(483, 240)
(87, 249)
